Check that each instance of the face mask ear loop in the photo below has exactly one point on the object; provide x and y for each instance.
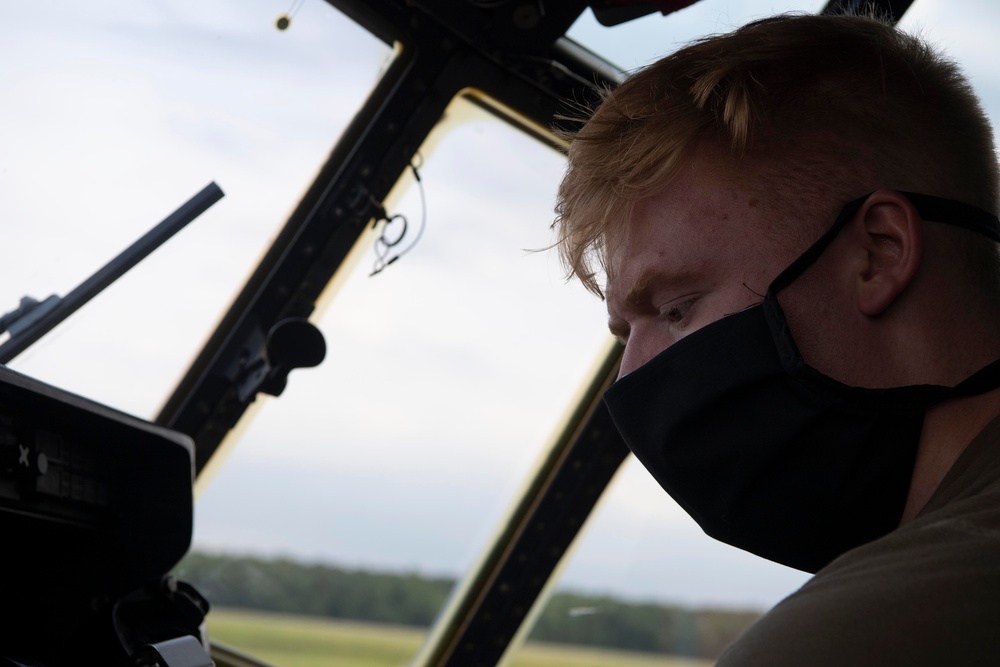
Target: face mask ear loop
(788, 352)
(956, 213)
(805, 260)
(936, 209)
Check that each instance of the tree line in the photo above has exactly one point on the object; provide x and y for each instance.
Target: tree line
(284, 585)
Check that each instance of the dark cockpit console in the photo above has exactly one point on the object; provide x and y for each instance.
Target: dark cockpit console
(96, 507)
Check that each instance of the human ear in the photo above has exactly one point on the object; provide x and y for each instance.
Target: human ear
(891, 233)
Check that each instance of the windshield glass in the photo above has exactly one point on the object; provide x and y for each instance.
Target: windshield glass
(641, 41)
(447, 375)
(111, 119)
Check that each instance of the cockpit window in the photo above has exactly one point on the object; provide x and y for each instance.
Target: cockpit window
(446, 377)
(112, 118)
(638, 42)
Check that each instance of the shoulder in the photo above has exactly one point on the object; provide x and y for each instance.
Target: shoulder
(926, 594)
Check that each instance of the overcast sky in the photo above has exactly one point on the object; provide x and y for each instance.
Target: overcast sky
(446, 374)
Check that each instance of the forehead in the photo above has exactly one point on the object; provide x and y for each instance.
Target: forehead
(700, 222)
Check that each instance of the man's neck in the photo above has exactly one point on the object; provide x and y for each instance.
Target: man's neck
(948, 430)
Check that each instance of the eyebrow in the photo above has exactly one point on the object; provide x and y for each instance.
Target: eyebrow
(638, 294)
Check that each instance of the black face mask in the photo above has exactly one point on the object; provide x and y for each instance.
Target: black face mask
(766, 453)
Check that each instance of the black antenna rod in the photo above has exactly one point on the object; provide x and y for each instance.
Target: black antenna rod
(57, 310)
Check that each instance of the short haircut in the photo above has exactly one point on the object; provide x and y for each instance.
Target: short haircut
(825, 107)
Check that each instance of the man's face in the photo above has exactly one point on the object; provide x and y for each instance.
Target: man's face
(696, 252)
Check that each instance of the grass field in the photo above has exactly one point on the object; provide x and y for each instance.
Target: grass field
(299, 641)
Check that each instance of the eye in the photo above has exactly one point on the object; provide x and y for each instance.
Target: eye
(675, 313)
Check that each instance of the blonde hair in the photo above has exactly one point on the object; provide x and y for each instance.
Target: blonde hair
(825, 107)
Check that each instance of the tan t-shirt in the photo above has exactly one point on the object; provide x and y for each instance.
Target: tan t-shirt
(926, 594)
